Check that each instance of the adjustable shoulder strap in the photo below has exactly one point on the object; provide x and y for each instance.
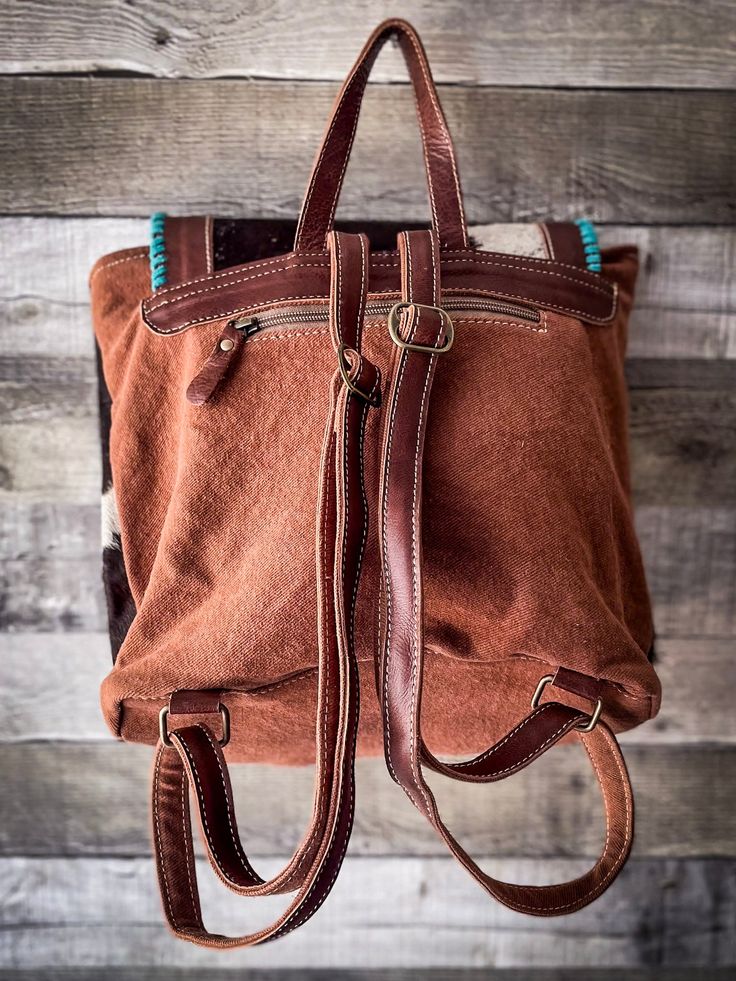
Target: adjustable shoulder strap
(423, 331)
(189, 757)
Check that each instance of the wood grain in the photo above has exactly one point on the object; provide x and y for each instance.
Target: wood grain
(99, 912)
(49, 683)
(685, 301)
(161, 973)
(536, 42)
(622, 112)
(690, 555)
(683, 440)
(92, 799)
(689, 552)
(128, 146)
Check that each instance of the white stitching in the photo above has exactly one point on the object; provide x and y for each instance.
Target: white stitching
(303, 216)
(416, 653)
(472, 258)
(597, 887)
(200, 793)
(230, 805)
(450, 147)
(338, 866)
(338, 187)
(450, 290)
(184, 785)
(236, 270)
(493, 749)
(150, 307)
(158, 836)
(142, 254)
(325, 613)
(545, 272)
(386, 576)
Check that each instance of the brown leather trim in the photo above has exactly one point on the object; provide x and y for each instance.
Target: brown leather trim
(302, 276)
(443, 181)
(196, 761)
(564, 242)
(188, 247)
(205, 383)
(402, 640)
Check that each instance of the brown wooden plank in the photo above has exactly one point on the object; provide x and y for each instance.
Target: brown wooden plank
(536, 42)
(92, 799)
(50, 682)
(410, 913)
(131, 146)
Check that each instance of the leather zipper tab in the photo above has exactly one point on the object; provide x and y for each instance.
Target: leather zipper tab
(203, 386)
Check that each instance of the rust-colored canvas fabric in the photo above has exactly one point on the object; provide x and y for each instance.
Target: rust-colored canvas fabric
(373, 495)
(530, 554)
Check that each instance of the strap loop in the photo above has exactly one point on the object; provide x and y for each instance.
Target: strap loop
(350, 365)
(402, 646)
(195, 760)
(163, 726)
(443, 182)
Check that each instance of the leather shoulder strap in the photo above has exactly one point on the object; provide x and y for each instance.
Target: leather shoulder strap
(443, 182)
(189, 757)
(423, 333)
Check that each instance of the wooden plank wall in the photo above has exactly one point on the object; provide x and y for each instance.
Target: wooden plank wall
(621, 112)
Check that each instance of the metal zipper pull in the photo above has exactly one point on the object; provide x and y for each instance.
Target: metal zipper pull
(203, 386)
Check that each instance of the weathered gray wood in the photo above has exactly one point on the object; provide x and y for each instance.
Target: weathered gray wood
(57, 459)
(407, 913)
(685, 302)
(92, 799)
(49, 682)
(483, 43)
(48, 686)
(130, 146)
(376, 974)
(683, 446)
(690, 554)
(683, 440)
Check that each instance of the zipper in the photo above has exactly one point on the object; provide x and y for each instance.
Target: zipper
(319, 314)
(237, 331)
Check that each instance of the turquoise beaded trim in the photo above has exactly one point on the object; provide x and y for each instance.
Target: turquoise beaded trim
(590, 244)
(157, 250)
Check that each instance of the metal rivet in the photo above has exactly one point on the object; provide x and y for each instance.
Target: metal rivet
(226, 344)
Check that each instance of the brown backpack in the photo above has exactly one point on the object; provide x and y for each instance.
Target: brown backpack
(449, 417)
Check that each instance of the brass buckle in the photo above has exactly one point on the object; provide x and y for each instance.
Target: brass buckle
(394, 318)
(588, 726)
(163, 729)
(344, 354)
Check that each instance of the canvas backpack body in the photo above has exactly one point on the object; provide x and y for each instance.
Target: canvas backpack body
(369, 493)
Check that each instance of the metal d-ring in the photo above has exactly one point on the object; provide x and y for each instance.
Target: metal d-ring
(588, 726)
(163, 728)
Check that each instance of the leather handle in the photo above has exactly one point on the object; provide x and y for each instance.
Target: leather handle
(320, 202)
(402, 643)
(194, 761)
